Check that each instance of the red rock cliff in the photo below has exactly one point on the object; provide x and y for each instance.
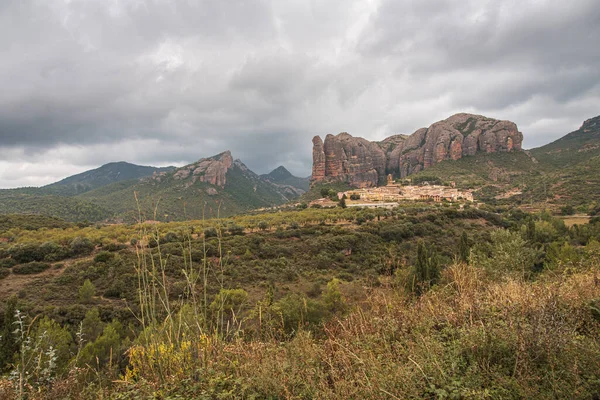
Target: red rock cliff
(362, 163)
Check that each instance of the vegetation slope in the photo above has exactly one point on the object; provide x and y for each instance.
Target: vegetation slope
(423, 301)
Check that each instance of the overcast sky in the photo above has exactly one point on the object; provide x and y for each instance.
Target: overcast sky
(166, 82)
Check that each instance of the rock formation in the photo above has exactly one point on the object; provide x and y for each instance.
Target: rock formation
(211, 170)
(363, 164)
(343, 157)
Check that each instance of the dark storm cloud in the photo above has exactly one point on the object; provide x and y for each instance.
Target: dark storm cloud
(162, 82)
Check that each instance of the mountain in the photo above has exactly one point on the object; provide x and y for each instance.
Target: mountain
(104, 175)
(210, 187)
(564, 172)
(573, 148)
(282, 176)
(362, 163)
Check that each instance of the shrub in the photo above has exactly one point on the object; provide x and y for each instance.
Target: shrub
(24, 253)
(104, 256)
(81, 246)
(31, 268)
(235, 229)
(7, 263)
(53, 252)
(118, 246)
(170, 237)
(87, 292)
(4, 273)
(210, 232)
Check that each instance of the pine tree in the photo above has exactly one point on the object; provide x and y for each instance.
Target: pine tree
(463, 248)
(531, 234)
(87, 292)
(427, 269)
(8, 342)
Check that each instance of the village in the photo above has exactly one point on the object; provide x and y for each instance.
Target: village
(388, 196)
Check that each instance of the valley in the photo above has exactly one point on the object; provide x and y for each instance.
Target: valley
(208, 278)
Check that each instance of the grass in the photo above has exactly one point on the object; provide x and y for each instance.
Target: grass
(310, 308)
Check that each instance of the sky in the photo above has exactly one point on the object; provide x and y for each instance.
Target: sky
(167, 82)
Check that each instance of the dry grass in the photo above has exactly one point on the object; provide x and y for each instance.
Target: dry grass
(576, 220)
(470, 337)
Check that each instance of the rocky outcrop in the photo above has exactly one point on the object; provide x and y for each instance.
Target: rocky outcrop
(362, 163)
(211, 170)
(343, 157)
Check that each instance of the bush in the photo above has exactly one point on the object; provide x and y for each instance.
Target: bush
(87, 292)
(7, 263)
(234, 229)
(210, 232)
(4, 273)
(81, 246)
(170, 237)
(104, 256)
(31, 268)
(24, 253)
(53, 252)
(118, 246)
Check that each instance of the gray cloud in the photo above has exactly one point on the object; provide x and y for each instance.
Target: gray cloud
(162, 82)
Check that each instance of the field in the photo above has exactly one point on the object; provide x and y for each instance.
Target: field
(423, 301)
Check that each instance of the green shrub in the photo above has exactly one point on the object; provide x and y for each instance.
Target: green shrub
(4, 273)
(24, 253)
(118, 246)
(33, 267)
(210, 232)
(87, 292)
(81, 246)
(104, 256)
(7, 263)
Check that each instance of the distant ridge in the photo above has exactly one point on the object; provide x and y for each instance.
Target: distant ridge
(101, 176)
(282, 176)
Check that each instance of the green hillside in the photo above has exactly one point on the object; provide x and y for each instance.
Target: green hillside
(105, 193)
(172, 198)
(564, 172)
(15, 201)
(572, 149)
(104, 175)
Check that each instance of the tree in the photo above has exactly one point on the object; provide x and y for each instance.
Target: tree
(463, 248)
(104, 349)
(54, 344)
(8, 342)
(92, 325)
(86, 292)
(427, 270)
(531, 235)
(508, 253)
(263, 225)
(333, 299)
(342, 202)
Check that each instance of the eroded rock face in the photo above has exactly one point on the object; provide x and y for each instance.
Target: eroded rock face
(344, 157)
(211, 170)
(318, 169)
(362, 163)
